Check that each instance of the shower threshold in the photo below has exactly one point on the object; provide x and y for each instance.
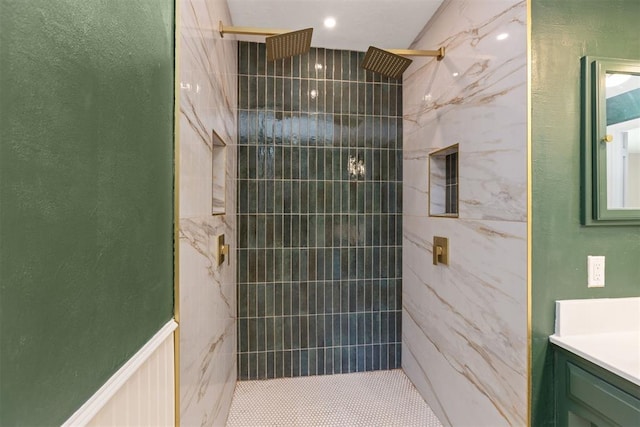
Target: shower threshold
(378, 398)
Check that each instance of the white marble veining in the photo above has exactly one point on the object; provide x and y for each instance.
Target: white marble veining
(604, 331)
(465, 325)
(483, 107)
(208, 89)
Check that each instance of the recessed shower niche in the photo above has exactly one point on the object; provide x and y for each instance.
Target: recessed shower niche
(443, 182)
(218, 173)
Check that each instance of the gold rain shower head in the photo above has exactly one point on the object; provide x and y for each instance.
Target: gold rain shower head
(392, 62)
(280, 43)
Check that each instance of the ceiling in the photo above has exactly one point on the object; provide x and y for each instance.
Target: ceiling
(391, 24)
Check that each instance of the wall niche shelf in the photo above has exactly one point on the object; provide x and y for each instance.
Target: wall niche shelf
(443, 182)
(218, 174)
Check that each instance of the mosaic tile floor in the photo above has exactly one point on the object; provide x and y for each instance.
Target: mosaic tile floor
(380, 398)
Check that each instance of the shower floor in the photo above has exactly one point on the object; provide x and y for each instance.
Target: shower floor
(380, 398)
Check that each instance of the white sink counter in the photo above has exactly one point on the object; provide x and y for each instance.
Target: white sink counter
(605, 332)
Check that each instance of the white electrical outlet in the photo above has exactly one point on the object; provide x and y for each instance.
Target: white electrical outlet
(595, 271)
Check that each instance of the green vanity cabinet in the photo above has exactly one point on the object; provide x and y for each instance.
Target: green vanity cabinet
(589, 395)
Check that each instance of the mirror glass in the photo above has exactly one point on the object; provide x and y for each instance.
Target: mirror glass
(610, 149)
(623, 140)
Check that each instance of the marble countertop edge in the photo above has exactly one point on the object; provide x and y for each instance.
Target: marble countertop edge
(618, 352)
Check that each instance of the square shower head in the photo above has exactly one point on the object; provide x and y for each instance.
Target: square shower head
(386, 63)
(288, 44)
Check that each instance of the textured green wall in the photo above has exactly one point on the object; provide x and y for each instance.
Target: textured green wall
(562, 32)
(86, 205)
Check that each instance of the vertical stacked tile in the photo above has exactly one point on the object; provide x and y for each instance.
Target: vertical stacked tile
(208, 90)
(465, 325)
(319, 277)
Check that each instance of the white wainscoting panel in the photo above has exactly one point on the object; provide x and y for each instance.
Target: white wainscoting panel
(141, 393)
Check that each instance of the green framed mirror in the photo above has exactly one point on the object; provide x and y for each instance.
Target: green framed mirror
(611, 141)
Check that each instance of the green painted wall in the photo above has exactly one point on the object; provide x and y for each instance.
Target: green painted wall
(563, 32)
(86, 204)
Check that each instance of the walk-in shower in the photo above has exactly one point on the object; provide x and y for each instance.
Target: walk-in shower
(319, 215)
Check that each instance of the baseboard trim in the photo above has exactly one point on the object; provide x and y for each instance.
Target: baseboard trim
(92, 406)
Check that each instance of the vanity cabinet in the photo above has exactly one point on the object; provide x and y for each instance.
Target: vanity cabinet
(589, 395)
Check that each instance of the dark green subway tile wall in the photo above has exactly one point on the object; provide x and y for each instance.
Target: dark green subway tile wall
(319, 215)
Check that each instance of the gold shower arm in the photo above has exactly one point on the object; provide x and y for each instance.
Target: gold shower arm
(393, 62)
(439, 54)
(280, 43)
(250, 31)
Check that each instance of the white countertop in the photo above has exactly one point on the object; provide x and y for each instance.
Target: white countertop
(605, 332)
(616, 352)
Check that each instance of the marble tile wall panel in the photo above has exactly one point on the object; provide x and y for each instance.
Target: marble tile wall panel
(465, 325)
(208, 98)
(483, 107)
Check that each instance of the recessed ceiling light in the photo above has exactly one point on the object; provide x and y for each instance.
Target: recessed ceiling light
(502, 36)
(330, 22)
(455, 74)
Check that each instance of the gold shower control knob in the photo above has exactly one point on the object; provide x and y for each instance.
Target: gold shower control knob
(607, 138)
(440, 250)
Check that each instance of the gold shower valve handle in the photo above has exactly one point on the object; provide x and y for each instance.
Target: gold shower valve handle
(607, 138)
(440, 250)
